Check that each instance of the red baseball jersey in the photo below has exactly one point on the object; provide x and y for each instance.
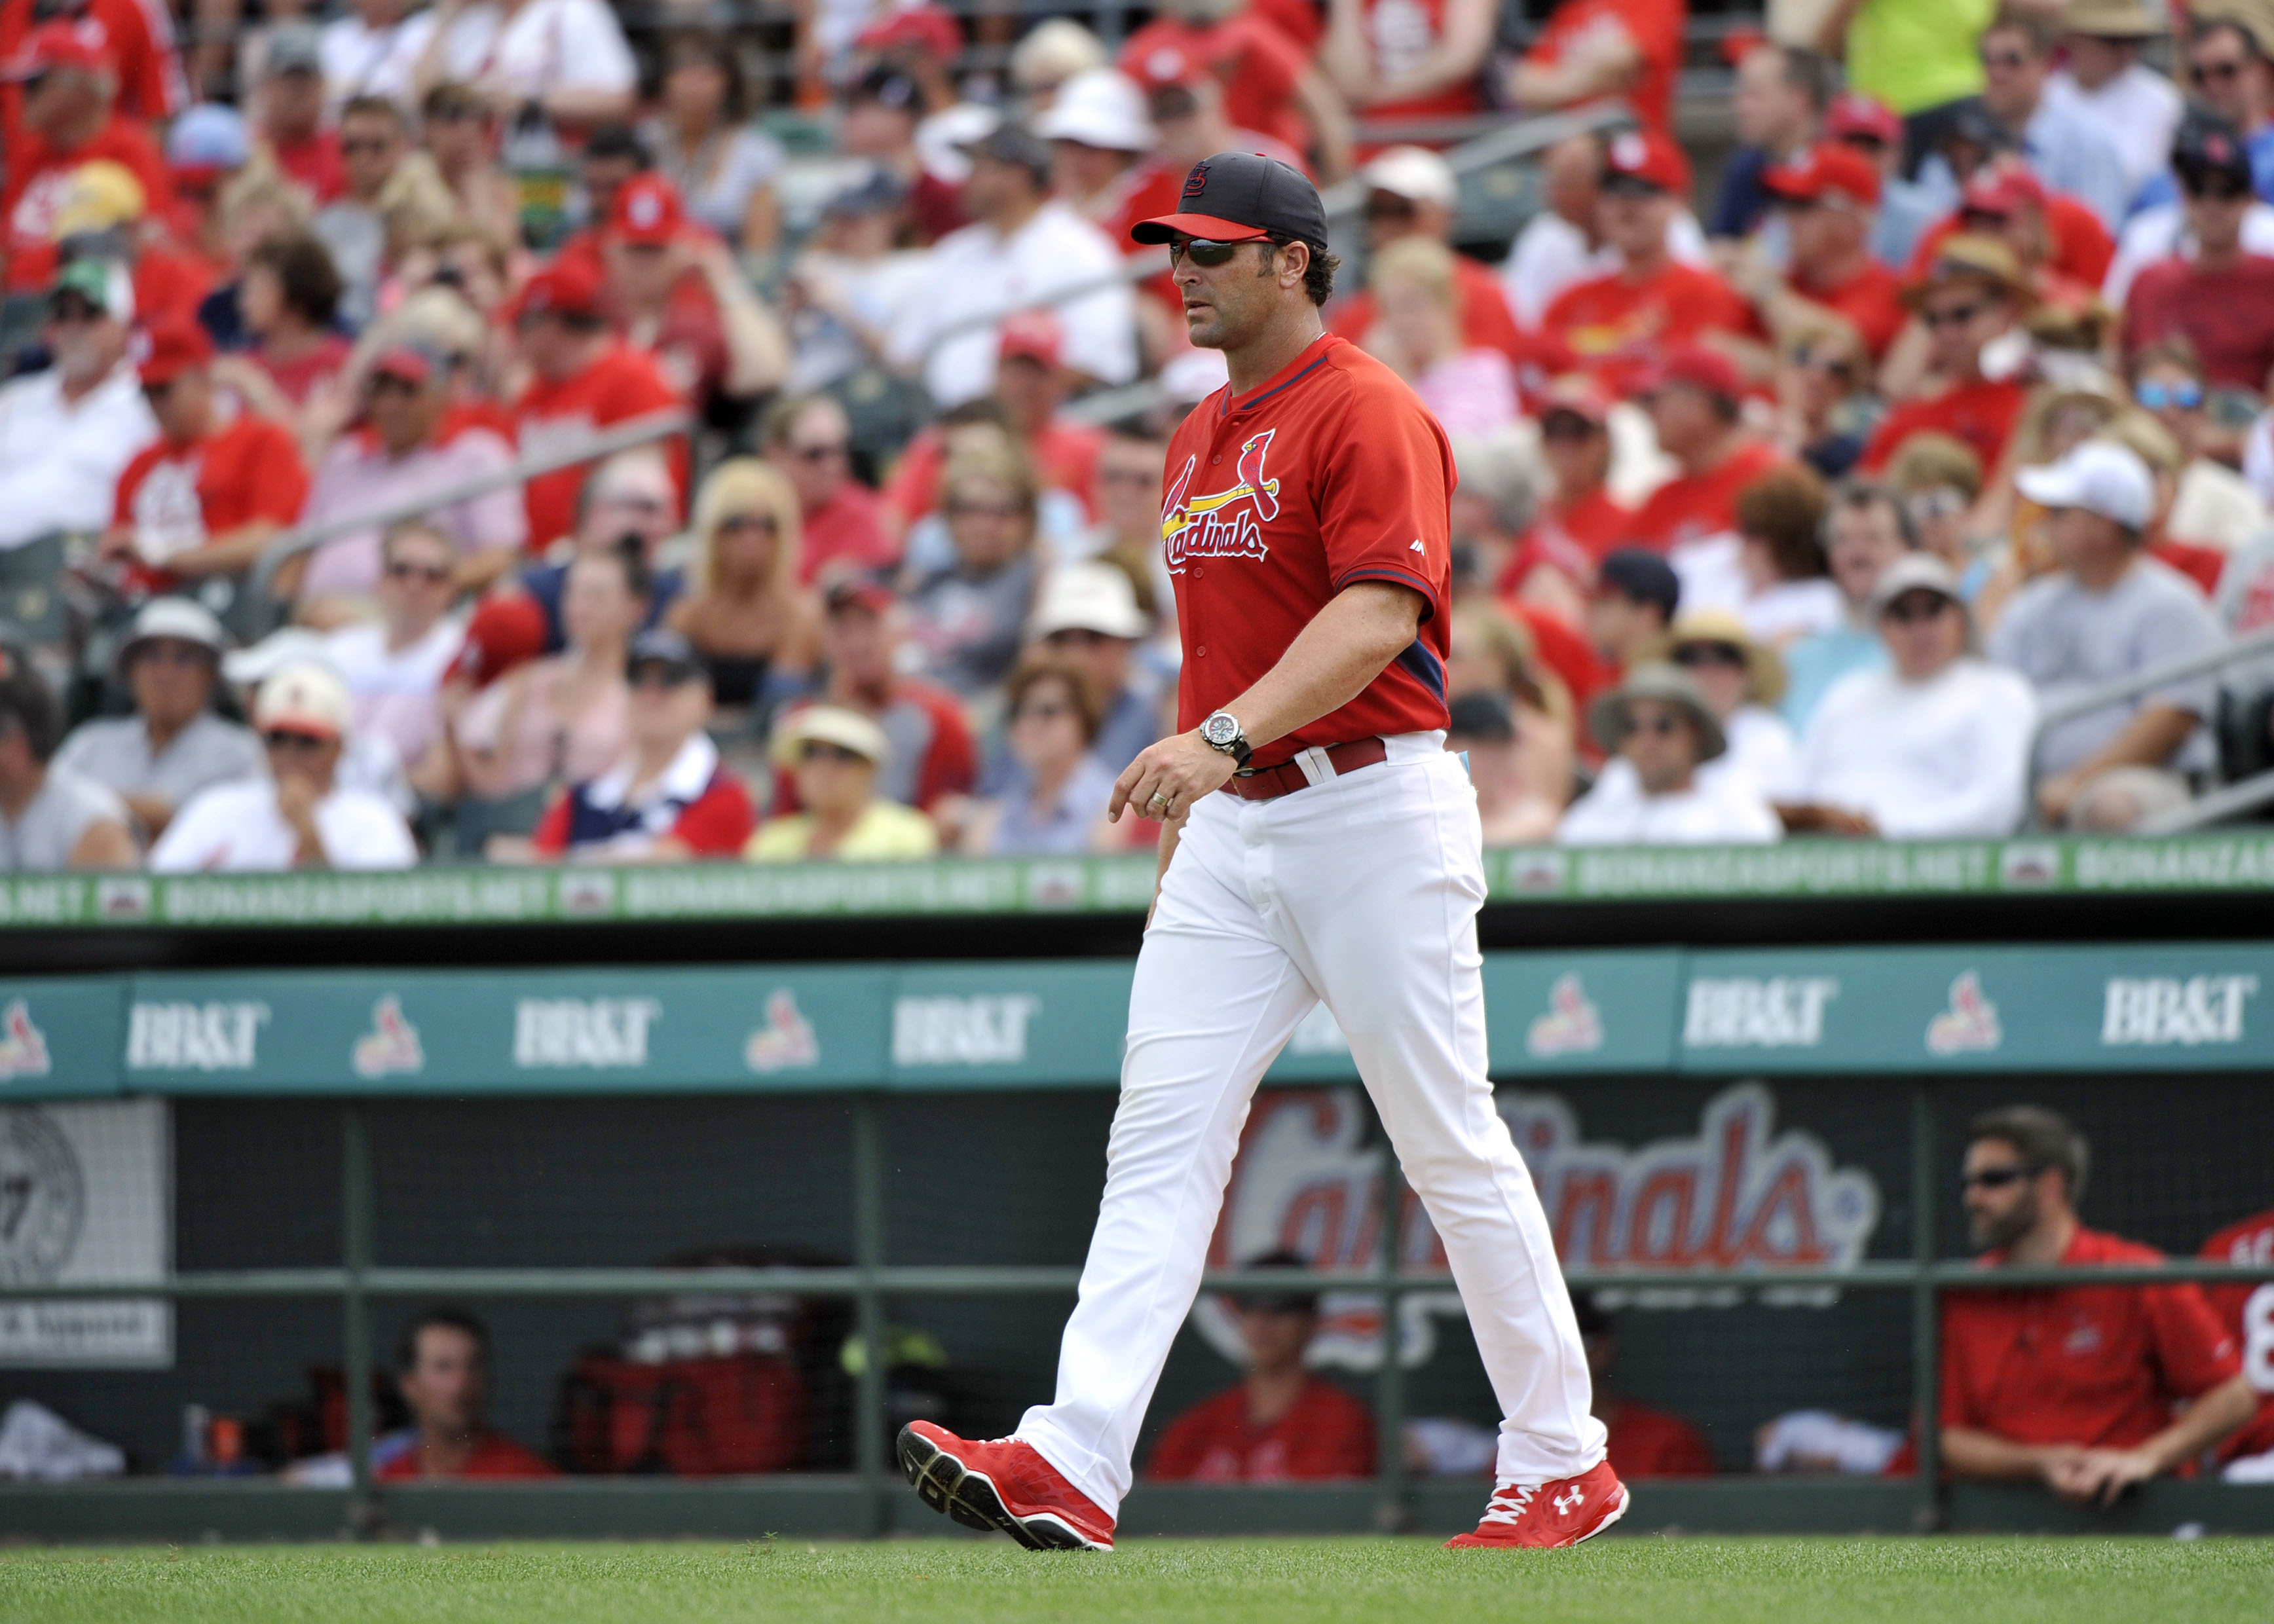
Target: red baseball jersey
(1330, 472)
(177, 498)
(1325, 1433)
(1620, 330)
(622, 385)
(1982, 415)
(40, 178)
(2096, 1365)
(2249, 1311)
(1651, 1443)
(1693, 506)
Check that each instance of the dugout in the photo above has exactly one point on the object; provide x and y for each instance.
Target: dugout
(536, 1094)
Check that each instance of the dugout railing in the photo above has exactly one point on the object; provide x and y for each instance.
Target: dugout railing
(1872, 1033)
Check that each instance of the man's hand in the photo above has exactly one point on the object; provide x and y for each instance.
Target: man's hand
(2098, 1476)
(1168, 777)
(295, 804)
(2055, 795)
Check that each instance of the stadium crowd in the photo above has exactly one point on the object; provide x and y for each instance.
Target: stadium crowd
(1791, 516)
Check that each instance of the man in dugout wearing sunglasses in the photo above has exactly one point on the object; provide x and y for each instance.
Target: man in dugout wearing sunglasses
(2220, 299)
(2072, 1386)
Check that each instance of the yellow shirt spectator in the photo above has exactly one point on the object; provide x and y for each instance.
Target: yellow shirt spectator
(885, 830)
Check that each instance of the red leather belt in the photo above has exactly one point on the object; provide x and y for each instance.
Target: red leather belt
(1270, 783)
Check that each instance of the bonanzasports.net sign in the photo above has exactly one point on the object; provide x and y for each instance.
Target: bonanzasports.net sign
(1112, 884)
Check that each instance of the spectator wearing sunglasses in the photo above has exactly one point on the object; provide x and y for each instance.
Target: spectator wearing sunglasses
(1055, 803)
(1826, 410)
(394, 665)
(67, 433)
(2229, 64)
(2074, 1387)
(809, 439)
(833, 754)
(1971, 295)
(968, 614)
(1742, 681)
(2213, 505)
(299, 815)
(757, 631)
(1935, 744)
(2222, 298)
(1659, 731)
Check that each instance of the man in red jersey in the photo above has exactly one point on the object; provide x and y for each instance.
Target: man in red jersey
(2076, 1386)
(2220, 298)
(1281, 1424)
(207, 496)
(1593, 49)
(584, 378)
(69, 119)
(1829, 200)
(137, 35)
(1419, 59)
(2248, 1310)
(1270, 83)
(1692, 518)
(1618, 326)
(443, 1373)
(1971, 296)
(1644, 1442)
(1318, 844)
(291, 112)
(809, 439)
(1411, 191)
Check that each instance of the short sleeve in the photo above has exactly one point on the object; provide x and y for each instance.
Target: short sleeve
(718, 822)
(2181, 625)
(551, 835)
(592, 54)
(1382, 503)
(2194, 1350)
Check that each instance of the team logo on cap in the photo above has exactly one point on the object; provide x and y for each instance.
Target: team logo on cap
(1225, 523)
(646, 210)
(1628, 150)
(1197, 182)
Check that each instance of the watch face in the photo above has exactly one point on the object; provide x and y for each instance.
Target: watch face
(1220, 729)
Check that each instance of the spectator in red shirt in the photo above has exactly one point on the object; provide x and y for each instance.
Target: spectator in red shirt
(1396, 60)
(1578, 521)
(810, 439)
(674, 293)
(206, 148)
(1644, 1442)
(2222, 298)
(583, 381)
(2248, 1310)
(207, 496)
(1618, 326)
(1829, 201)
(1973, 293)
(1411, 191)
(443, 1373)
(1594, 50)
(291, 112)
(1270, 83)
(613, 158)
(670, 799)
(69, 119)
(287, 300)
(137, 37)
(1281, 1424)
(2073, 1385)
(1692, 518)
(933, 754)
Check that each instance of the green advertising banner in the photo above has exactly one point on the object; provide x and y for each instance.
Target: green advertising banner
(1012, 1023)
(59, 1039)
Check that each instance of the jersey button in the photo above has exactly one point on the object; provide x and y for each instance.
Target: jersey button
(1198, 572)
(1214, 460)
(1201, 651)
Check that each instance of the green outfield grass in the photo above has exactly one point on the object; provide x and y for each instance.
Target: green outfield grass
(1655, 1580)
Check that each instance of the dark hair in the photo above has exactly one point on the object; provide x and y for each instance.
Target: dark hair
(2207, 26)
(2040, 32)
(1812, 73)
(452, 1318)
(1319, 278)
(1863, 495)
(304, 269)
(781, 417)
(1295, 1301)
(1784, 508)
(375, 107)
(2176, 351)
(619, 141)
(1642, 577)
(1042, 666)
(2044, 1138)
(1592, 1320)
(709, 46)
(27, 706)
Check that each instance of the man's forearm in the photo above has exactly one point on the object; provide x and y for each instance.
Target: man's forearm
(1347, 645)
(2148, 740)
(1973, 1454)
(2218, 1412)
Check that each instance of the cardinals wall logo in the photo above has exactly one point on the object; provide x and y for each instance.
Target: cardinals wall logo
(391, 1045)
(1739, 1195)
(785, 1040)
(1969, 1024)
(23, 1046)
(1223, 524)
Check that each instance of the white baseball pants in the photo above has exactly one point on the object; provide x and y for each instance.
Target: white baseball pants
(1362, 892)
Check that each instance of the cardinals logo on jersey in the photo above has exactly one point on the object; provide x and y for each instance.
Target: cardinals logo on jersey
(1223, 524)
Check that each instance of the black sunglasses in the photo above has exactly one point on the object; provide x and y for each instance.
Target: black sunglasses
(1206, 254)
(1956, 316)
(1914, 612)
(285, 739)
(434, 575)
(2207, 73)
(1709, 654)
(1663, 726)
(1995, 1178)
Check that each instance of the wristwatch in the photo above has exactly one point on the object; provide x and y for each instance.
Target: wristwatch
(1222, 732)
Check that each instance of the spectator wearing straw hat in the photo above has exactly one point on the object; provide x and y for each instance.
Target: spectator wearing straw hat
(1661, 729)
(1089, 616)
(834, 755)
(68, 432)
(1972, 294)
(173, 745)
(298, 816)
(1933, 747)
(207, 496)
(2103, 80)
(1741, 679)
(51, 818)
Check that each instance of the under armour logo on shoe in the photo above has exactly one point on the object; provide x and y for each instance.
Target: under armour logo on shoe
(1569, 1501)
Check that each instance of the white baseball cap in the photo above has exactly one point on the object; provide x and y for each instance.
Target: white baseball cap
(306, 697)
(1415, 173)
(2099, 477)
(179, 619)
(1099, 108)
(1090, 598)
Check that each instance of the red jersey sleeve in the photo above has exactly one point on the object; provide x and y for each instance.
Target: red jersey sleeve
(551, 835)
(2194, 1351)
(951, 762)
(277, 480)
(717, 823)
(1386, 483)
(122, 510)
(913, 491)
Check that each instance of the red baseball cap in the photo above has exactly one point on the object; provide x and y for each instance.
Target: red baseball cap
(413, 363)
(174, 347)
(52, 45)
(1578, 393)
(647, 212)
(1170, 51)
(1829, 172)
(859, 593)
(926, 28)
(1033, 333)
(2003, 189)
(1855, 113)
(1703, 369)
(565, 287)
(1649, 157)
(505, 632)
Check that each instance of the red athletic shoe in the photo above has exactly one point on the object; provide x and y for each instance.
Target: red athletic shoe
(1001, 1484)
(1545, 1516)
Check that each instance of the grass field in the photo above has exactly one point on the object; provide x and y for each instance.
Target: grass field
(1695, 1581)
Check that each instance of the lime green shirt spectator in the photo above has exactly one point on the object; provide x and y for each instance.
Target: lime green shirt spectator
(885, 830)
(1917, 54)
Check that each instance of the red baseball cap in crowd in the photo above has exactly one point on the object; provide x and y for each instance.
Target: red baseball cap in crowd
(412, 362)
(1854, 115)
(565, 287)
(1035, 335)
(174, 347)
(859, 593)
(505, 632)
(53, 45)
(1241, 198)
(1578, 393)
(1829, 173)
(1708, 371)
(1170, 51)
(926, 28)
(1646, 158)
(647, 212)
(2003, 189)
